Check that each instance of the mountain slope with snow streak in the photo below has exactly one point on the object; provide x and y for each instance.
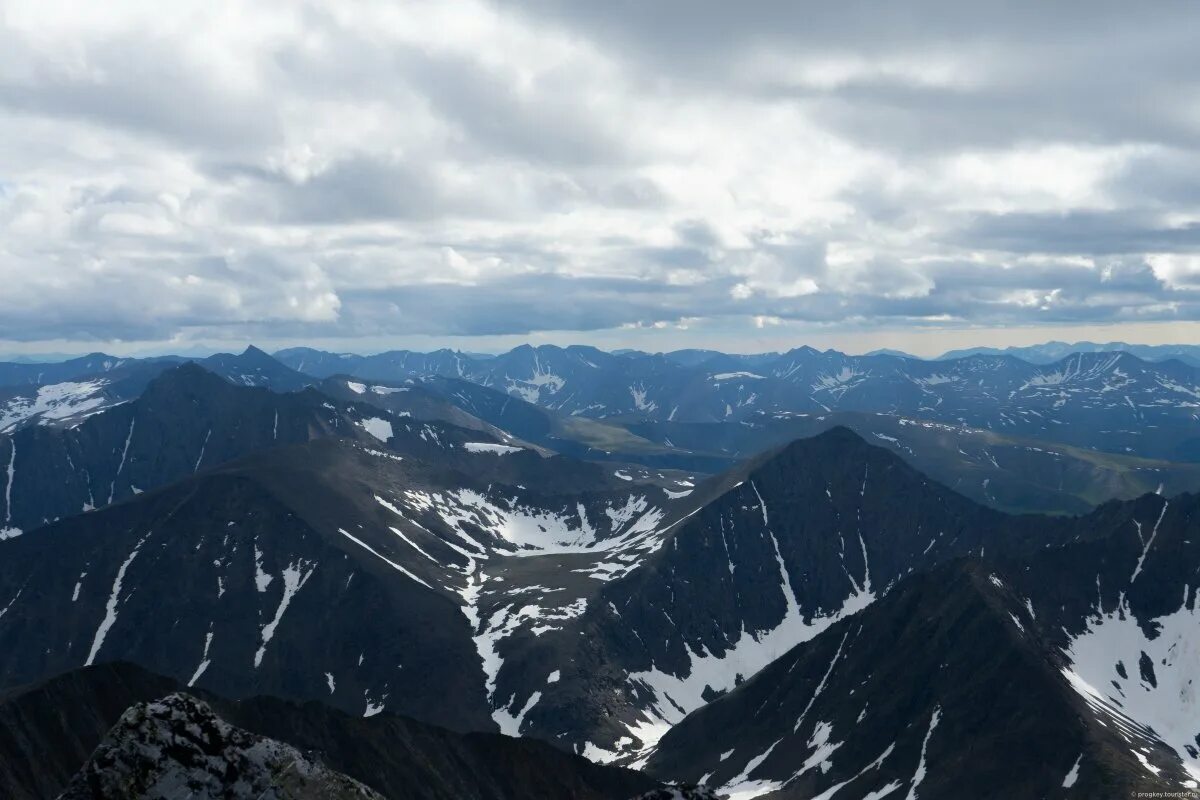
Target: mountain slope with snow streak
(941, 689)
(267, 568)
(1068, 670)
(186, 420)
(780, 551)
(1119, 603)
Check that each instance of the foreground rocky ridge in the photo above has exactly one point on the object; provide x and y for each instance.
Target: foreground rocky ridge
(177, 746)
(140, 736)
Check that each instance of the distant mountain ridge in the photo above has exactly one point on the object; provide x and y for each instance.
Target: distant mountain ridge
(1047, 424)
(1115, 402)
(63, 394)
(1049, 352)
(185, 420)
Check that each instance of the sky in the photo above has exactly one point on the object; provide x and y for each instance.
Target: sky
(742, 176)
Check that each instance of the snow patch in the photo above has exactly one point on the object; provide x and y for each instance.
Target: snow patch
(488, 447)
(919, 775)
(294, 577)
(204, 660)
(381, 429)
(54, 402)
(110, 609)
(728, 376)
(1159, 693)
(383, 558)
(1073, 775)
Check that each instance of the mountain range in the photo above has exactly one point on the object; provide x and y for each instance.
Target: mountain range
(561, 573)
(1113, 402)
(1049, 352)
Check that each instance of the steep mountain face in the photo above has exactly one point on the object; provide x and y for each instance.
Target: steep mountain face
(334, 570)
(885, 702)
(1120, 605)
(1069, 670)
(197, 582)
(51, 729)
(1108, 401)
(186, 420)
(778, 552)
(1007, 472)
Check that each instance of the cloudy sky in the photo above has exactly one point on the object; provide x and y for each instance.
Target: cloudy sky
(754, 175)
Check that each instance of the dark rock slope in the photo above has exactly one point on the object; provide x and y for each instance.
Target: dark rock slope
(1068, 672)
(49, 730)
(188, 419)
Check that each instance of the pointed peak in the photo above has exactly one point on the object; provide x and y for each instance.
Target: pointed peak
(837, 437)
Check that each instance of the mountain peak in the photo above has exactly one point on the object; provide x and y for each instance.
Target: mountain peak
(253, 352)
(838, 440)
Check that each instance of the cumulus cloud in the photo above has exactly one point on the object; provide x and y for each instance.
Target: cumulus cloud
(472, 168)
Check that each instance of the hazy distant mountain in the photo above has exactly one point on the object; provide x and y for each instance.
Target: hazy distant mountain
(885, 351)
(97, 364)
(1050, 352)
(1005, 471)
(1114, 402)
(36, 358)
